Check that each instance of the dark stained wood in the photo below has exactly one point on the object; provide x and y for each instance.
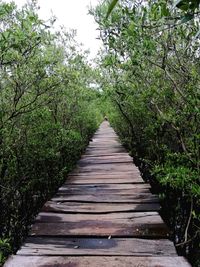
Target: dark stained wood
(93, 208)
(143, 224)
(112, 198)
(105, 181)
(106, 168)
(104, 160)
(102, 191)
(104, 215)
(107, 158)
(98, 156)
(100, 151)
(90, 162)
(77, 189)
(133, 217)
(132, 177)
(101, 173)
(139, 224)
(122, 228)
(104, 186)
(96, 246)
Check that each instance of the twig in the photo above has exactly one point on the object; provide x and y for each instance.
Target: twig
(187, 227)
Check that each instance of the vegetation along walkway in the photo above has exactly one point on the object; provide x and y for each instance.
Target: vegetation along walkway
(104, 215)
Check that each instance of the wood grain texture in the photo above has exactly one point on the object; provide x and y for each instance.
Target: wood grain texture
(97, 208)
(106, 181)
(141, 224)
(100, 228)
(95, 261)
(98, 191)
(96, 246)
(112, 198)
(103, 186)
(104, 215)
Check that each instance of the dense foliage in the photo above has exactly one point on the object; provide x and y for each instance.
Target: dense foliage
(150, 74)
(48, 112)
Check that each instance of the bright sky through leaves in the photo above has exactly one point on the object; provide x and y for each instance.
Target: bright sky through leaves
(73, 14)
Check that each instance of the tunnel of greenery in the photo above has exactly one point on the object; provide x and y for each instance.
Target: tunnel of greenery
(146, 81)
(150, 71)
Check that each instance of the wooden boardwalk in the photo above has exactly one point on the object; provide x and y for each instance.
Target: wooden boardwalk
(104, 215)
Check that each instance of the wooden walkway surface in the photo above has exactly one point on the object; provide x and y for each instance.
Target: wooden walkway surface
(104, 215)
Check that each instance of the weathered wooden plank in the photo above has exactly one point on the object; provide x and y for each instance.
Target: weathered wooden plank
(102, 172)
(88, 161)
(97, 148)
(123, 155)
(132, 198)
(86, 191)
(132, 217)
(105, 144)
(105, 160)
(106, 167)
(95, 261)
(105, 177)
(79, 207)
(103, 197)
(104, 187)
(113, 154)
(101, 175)
(143, 224)
(105, 181)
(112, 137)
(107, 170)
(96, 246)
(97, 151)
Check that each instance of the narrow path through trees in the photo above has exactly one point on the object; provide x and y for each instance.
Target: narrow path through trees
(104, 215)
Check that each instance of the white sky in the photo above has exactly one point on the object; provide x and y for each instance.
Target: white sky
(73, 14)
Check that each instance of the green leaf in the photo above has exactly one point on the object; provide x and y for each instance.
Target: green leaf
(164, 10)
(182, 4)
(187, 18)
(111, 7)
(186, 5)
